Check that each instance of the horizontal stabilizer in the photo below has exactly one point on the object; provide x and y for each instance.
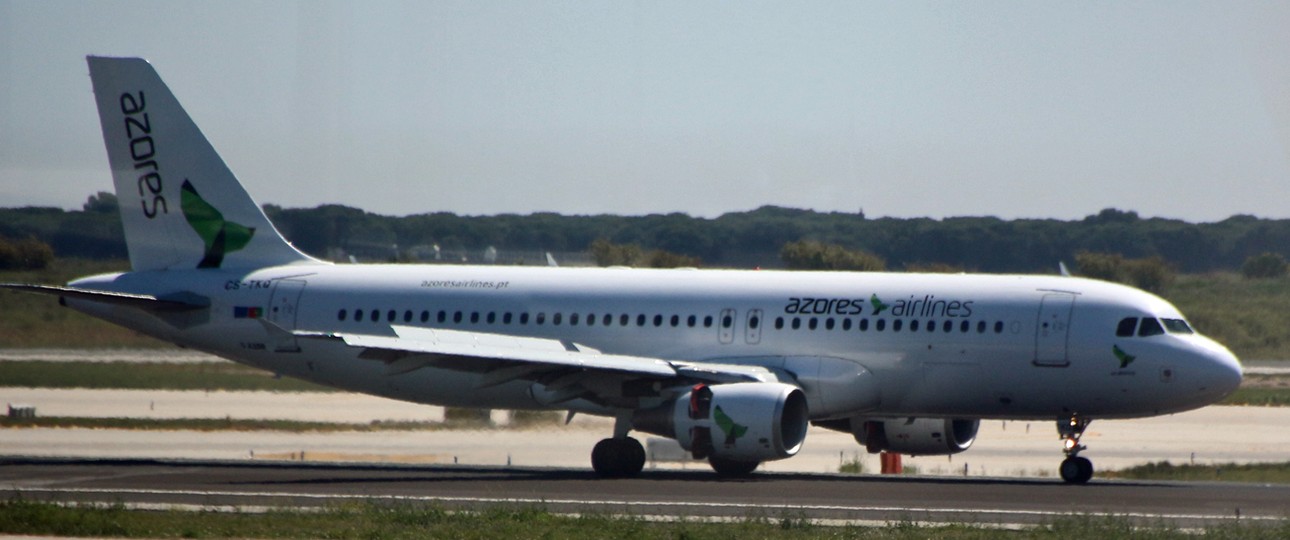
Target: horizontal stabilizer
(174, 302)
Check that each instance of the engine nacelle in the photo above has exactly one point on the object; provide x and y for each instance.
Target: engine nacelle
(740, 421)
(915, 436)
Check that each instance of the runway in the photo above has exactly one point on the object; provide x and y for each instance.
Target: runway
(827, 498)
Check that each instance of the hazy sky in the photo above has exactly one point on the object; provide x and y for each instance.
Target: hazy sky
(1014, 109)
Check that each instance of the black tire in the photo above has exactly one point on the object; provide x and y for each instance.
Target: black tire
(1076, 470)
(732, 468)
(618, 458)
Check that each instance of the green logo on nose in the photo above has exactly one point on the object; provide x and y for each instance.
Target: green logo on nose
(1124, 357)
(221, 236)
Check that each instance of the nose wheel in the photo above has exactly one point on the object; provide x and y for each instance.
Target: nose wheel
(1074, 469)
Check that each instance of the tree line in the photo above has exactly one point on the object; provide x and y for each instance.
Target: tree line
(737, 239)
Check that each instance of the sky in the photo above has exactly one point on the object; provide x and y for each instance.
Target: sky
(1023, 109)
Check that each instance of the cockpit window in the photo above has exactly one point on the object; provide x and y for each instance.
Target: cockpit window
(1178, 326)
(1150, 327)
(1126, 327)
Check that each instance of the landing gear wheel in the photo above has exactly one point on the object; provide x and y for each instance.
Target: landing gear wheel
(1076, 470)
(618, 458)
(730, 467)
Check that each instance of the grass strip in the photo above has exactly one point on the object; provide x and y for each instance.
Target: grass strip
(1262, 397)
(1258, 473)
(149, 376)
(364, 521)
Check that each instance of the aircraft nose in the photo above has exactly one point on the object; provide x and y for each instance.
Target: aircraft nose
(1223, 372)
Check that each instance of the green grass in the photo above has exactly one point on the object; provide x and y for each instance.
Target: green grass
(1263, 397)
(156, 375)
(367, 521)
(1260, 473)
(1249, 316)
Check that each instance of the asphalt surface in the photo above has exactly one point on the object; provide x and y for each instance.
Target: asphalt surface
(212, 484)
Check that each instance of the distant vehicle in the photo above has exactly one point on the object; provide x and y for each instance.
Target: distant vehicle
(734, 365)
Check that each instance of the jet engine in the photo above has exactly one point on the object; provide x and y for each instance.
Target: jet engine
(745, 422)
(915, 436)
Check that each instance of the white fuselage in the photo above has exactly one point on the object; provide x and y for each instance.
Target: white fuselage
(929, 345)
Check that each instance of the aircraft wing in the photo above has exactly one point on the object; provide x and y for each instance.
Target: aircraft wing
(503, 358)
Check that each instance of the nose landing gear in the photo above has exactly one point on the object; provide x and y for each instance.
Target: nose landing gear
(1074, 469)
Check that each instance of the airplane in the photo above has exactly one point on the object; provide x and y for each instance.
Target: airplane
(735, 365)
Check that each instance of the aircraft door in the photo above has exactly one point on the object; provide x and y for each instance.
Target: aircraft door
(283, 311)
(726, 326)
(752, 327)
(1053, 328)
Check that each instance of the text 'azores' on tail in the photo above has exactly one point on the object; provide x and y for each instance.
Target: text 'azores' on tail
(181, 206)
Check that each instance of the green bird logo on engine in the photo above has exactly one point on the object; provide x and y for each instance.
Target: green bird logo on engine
(220, 235)
(732, 429)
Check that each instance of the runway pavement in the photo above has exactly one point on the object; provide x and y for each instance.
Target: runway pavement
(656, 493)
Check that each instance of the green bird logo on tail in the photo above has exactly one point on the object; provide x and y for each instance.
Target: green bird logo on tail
(221, 236)
(878, 305)
(1125, 358)
(728, 426)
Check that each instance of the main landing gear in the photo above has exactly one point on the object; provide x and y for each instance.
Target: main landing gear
(1074, 469)
(619, 457)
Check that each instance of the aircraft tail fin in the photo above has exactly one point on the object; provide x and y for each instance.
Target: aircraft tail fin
(181, 206)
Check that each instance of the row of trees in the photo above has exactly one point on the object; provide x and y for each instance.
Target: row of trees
(737, 239)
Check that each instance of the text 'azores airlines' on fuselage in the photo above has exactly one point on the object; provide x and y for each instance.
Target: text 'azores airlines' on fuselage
(734, 365)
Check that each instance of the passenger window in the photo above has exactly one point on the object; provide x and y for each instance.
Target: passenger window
(425, 316)
(506, 318)
(880, 325)
(340, 315)
(707, 321)
(897, 324)
(443, 316)
(1150, 327)
(358, 315)
(913, 325)
(540, 319)
(573, 319)
(524, 318)
(640, 320)
(389, 315)
(555, 319)
(691, 321)
(813, 323)
(608, 320)
(474, 317)
(779, 323)
(727, 321)
(456, 317)
(1126, 327)
(828, 323)
(998, 327)
(492, 317)
(407, 316)
(931, 326)
(846, 324)
(797, 323)
(676, 321)
(864, 325)
(980, 327)
(623, 319)
(591, 319)
(1178, 326)
(964, 327)
(376, 315)
(949, 327)
(754, 322)
(658, 320)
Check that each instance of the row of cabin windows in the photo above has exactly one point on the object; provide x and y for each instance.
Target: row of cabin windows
(556, 319)
(880, 325)
(691, 321)
(1151, 327)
